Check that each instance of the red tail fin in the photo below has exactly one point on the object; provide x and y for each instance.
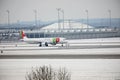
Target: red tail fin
(22, 34)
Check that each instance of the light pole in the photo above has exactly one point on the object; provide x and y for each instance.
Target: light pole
(58, 9)
(87, 17)
(35, 17)
(8, 17)
(82, 22)
(63, 17)
(109, 11)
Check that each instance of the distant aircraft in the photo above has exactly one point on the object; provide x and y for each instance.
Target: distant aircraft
(42, 41)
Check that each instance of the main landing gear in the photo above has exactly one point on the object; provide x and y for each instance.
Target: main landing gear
(46, 44)
(40, 45)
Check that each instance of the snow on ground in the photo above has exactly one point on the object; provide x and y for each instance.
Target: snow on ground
(102, 51)
(80, 69)
(76, 41)
(83, 46)
(94, 40)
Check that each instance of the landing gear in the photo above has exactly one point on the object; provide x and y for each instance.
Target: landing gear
(62, 45)
(46, 44)
(40, 44)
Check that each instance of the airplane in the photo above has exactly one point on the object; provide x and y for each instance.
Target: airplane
(42, 41)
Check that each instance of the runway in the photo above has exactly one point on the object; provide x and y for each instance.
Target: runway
(60, 56)
(74, 52)
(58, 47)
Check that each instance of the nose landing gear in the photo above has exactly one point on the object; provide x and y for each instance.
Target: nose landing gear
(62, 45)
(40, 44)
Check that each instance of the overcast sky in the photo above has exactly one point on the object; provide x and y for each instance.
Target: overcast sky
(23, 10)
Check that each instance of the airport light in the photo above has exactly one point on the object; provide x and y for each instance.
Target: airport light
(58, 9)
(63, 17)
(35, 11)
(87, 17)
(109, 11)
(8, 16)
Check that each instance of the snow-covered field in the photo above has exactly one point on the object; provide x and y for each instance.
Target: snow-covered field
(101, 51)
(80, 69)
(75, 47)
(97, 41)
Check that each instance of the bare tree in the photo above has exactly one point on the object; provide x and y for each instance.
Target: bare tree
(41, 73)
(47, 73)
(63, 74)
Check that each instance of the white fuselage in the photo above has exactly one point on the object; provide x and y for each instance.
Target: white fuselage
(43, 40)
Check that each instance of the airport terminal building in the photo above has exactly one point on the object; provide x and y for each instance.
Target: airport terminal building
(73, 30)
(68, 30)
